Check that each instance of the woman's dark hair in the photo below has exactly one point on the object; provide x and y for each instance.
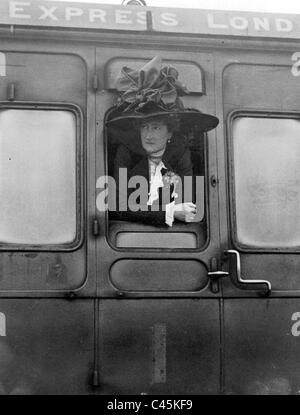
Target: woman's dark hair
(171, 121)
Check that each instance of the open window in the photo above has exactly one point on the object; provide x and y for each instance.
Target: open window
(133, 234)
(129, 234)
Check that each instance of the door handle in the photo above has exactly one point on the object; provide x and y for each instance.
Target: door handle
(215, 275)
(239, 275)
(218, 274)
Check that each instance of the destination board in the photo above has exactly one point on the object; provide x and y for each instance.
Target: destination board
(136, 18)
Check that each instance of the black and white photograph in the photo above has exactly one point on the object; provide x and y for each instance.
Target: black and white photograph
(149, 201)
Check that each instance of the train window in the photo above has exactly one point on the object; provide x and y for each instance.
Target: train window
(37, 176)
(132, 234)
(266, 158)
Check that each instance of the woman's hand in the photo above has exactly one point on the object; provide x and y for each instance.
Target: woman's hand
(185, 212)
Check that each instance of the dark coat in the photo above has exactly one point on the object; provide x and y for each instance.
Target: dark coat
(177, 159)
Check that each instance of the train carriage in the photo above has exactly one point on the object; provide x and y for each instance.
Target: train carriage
(93, 305)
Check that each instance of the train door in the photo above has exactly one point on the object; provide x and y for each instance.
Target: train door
(159, 311)
(261, 249)
(44, 240)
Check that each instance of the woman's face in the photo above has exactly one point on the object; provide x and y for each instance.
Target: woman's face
(154, 136)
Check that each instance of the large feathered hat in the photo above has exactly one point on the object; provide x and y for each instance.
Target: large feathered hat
(154, 91)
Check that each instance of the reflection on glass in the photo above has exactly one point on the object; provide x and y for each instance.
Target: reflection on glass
(267, 181)
(37, 176)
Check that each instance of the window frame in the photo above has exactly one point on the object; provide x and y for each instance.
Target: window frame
(79, 179)
(232, 116)
(160, 249)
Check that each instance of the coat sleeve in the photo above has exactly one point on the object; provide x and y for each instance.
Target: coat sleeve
(147, 217)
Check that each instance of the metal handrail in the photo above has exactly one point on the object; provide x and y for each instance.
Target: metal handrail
(239, 275)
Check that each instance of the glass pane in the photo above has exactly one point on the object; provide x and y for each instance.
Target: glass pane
(267, 181)
(37, 176)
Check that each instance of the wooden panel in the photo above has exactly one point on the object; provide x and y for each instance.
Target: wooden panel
(159, 275)
(262, 345)
(160, 346)
(47, 347)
